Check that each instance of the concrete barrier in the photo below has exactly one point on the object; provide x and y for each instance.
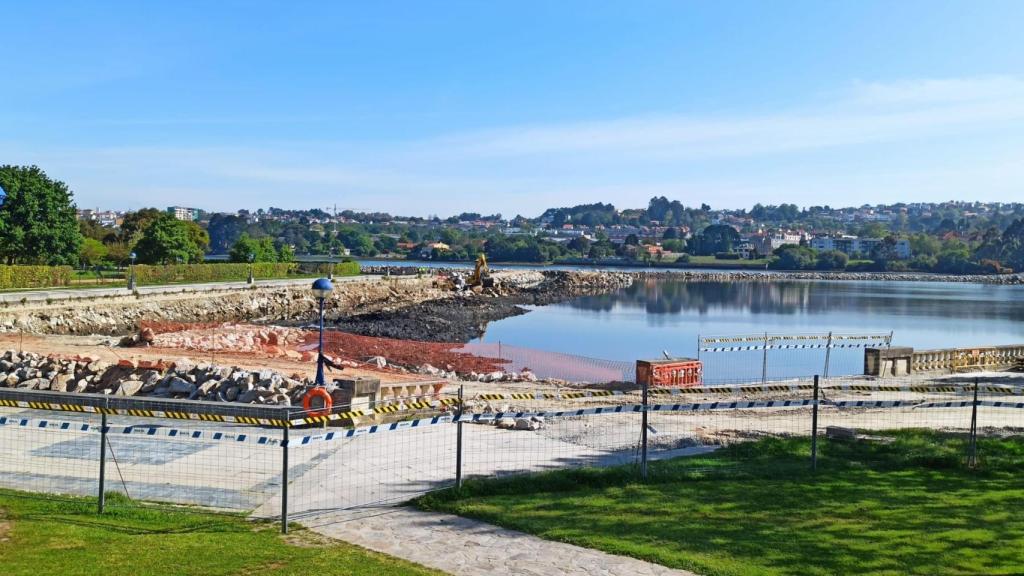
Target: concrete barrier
(901, 361)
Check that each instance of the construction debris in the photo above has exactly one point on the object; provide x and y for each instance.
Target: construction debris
(178, 379)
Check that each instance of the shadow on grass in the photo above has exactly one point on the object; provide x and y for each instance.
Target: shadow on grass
(125, 516)
(909, 506)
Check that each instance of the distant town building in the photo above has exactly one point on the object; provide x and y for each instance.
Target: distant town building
(106, 218)
(852, 245)
(183, 213)
(765, 244)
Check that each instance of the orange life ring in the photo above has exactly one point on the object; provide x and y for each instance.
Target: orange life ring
(317, 392)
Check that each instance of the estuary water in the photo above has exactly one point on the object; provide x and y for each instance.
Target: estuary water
(663, 315)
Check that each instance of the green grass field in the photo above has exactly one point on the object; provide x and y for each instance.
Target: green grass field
(711, 261)
(909, 507)
(68, 537)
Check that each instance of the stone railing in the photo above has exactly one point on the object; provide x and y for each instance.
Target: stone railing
(902, 361)
(968, 359)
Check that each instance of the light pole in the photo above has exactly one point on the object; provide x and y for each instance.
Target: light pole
(252, 258)
(321, 290)
(131, 272)
(330, 263)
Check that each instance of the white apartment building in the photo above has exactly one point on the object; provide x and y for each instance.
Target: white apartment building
(852, 245)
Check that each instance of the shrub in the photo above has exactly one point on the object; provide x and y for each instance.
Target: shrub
(145, 274)
(793, 257)
(13, 277)
(343, 268)
(832, 260)
(727, 255)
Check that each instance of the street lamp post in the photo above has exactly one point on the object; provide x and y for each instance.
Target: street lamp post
(131, 272)
(321, 290)
(252, 279)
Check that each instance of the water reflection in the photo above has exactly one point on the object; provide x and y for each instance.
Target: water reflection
(666, 297)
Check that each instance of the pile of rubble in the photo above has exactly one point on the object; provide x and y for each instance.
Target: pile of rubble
(182, 379)
(526, 375)
(230, 337)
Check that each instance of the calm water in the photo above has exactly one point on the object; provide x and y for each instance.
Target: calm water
(656, 315)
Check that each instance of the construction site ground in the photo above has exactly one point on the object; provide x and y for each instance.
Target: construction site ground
(104, 348)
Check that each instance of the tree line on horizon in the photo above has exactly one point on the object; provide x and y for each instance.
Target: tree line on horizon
(38, 225)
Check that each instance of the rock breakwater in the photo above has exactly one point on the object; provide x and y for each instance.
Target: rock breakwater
(775, 276)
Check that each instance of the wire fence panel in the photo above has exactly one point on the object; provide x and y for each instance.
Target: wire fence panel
(518, 444)
(39, 454)
(213, 464)
(553, 365)
(772, 357)
(339, 469)
(386, 454)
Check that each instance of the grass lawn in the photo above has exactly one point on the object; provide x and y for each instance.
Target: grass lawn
(68, 537)
(711, 261)
(909, 507)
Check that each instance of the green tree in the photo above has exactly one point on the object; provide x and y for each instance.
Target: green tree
(285, 254)
(37, 218)
(674, 245)
(93, 229)
(166, 240)
(832, 260)
(716, 238)
(261, 249)
(793, 257)
(200, 240)
(924, 245)
(580, 244)
(873, 230)
(91, 252)
(135, 223)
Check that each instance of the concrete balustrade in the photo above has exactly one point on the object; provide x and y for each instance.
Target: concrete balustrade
(900, 361)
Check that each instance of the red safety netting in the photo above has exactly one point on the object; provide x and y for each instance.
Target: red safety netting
(386, 353)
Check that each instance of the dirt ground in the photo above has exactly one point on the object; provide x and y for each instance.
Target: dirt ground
(100, 347)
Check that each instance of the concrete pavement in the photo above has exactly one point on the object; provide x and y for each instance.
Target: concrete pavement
(465, 547)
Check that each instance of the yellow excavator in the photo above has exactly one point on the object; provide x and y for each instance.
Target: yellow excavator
(481, 276)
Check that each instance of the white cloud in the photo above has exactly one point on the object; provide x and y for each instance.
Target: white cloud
(940, 90)
(870, 112)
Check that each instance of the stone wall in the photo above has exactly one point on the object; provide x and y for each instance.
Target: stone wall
(116, 315)
(122, 314)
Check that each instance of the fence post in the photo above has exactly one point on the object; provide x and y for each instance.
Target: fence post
(458, 442)
(103, 463)
(643, 433)
(828, 354)
(764, 361)
(814, 427)
(972, 445)
(284, 477)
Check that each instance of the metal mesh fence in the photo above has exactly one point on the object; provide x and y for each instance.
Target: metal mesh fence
(318, 466)
(218, 465)
(54, 460)
(726, 359)
(554, 365)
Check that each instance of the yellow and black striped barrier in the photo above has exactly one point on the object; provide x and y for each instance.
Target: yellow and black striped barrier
(387, 409)
(139, 413)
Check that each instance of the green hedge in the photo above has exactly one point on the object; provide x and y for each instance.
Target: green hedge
(13, 277)
(145, 274)
(348, 268)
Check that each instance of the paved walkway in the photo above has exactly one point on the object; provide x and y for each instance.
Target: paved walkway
(460, 546)
(56, 294)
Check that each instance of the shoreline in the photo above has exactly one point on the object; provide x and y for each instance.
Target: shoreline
(730, 274)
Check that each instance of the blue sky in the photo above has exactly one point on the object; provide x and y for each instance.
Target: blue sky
(442, 107)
